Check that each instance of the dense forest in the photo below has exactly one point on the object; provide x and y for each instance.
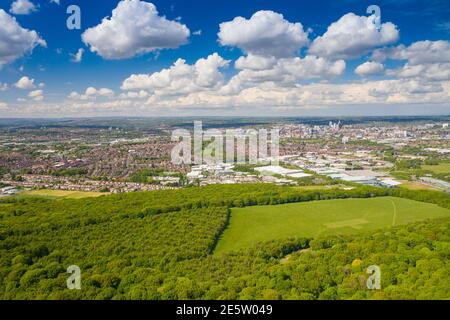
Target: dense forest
(160, 245)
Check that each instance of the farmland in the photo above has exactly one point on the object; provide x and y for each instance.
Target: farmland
(415, 185)
(54, 194)
(251, 225)
(439, 168)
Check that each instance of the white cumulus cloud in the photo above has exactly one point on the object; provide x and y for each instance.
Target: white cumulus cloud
(351, 37)
(15, 41)
(429, 71)
(91, 93)
(134, 28)
(134, 95)
(369, 68)
(424, 59)
(36, 95)
(284, 71)
(22, 7)
(255, 62)
(266, 33)
(181, 78)
(419, 52)
(25, 83)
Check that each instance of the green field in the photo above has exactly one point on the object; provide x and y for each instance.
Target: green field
(415, 185)
(263, 223)
(440, 168)
(54, 194)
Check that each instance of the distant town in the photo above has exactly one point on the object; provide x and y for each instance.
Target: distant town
(124, 156)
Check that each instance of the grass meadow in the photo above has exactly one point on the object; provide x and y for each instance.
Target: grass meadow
(328, 217)
(60, 194)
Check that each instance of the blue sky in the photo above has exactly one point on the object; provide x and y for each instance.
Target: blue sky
(418, 27)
